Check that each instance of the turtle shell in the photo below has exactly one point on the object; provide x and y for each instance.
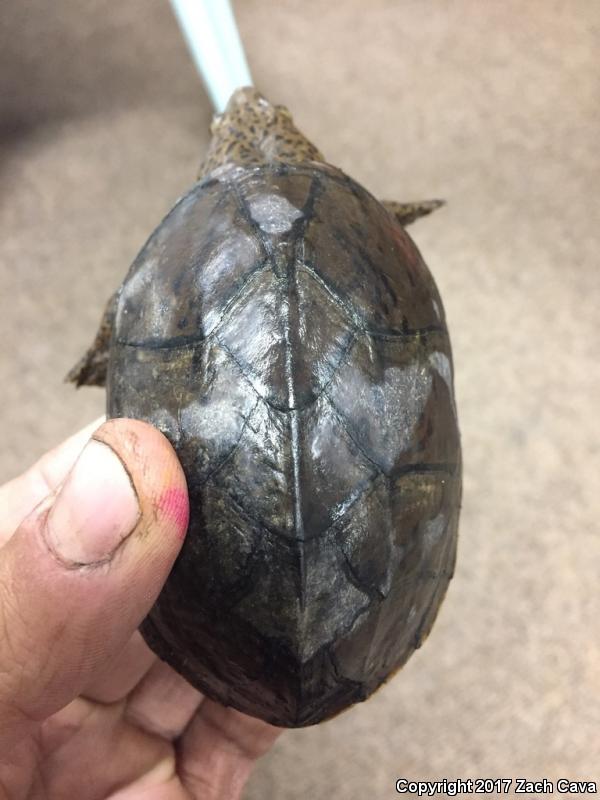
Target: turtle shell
(284, 333)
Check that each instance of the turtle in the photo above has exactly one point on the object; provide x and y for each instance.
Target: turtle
(281, 328)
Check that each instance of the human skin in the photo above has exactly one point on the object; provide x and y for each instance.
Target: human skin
(88, 536)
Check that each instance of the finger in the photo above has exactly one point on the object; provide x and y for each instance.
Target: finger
(219, 750)
(20, 495)
(123, 674)
(119, 761)
(163, 703)
(84, 568)
(153, 787)
(87, 751)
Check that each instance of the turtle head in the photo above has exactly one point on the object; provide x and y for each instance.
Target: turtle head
(253, 131)
(246, 99)
(248, 110)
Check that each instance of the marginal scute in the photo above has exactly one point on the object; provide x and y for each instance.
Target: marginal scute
(285, 334)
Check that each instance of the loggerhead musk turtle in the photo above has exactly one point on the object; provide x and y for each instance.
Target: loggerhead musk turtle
(281, 328)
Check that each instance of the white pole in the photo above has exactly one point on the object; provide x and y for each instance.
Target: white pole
(213, 39)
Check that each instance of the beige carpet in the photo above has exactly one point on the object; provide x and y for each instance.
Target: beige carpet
(493, 105)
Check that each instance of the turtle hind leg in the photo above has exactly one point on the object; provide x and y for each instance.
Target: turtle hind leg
(91, 369)
(253, 131)
(405, 213)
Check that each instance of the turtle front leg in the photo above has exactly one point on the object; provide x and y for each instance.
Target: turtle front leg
(91, 369)
(405, 213)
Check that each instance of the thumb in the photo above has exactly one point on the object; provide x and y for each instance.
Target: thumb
(84, 568)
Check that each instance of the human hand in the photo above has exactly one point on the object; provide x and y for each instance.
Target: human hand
(86, 709)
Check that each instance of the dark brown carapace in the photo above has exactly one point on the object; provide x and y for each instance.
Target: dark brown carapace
(281, 328)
